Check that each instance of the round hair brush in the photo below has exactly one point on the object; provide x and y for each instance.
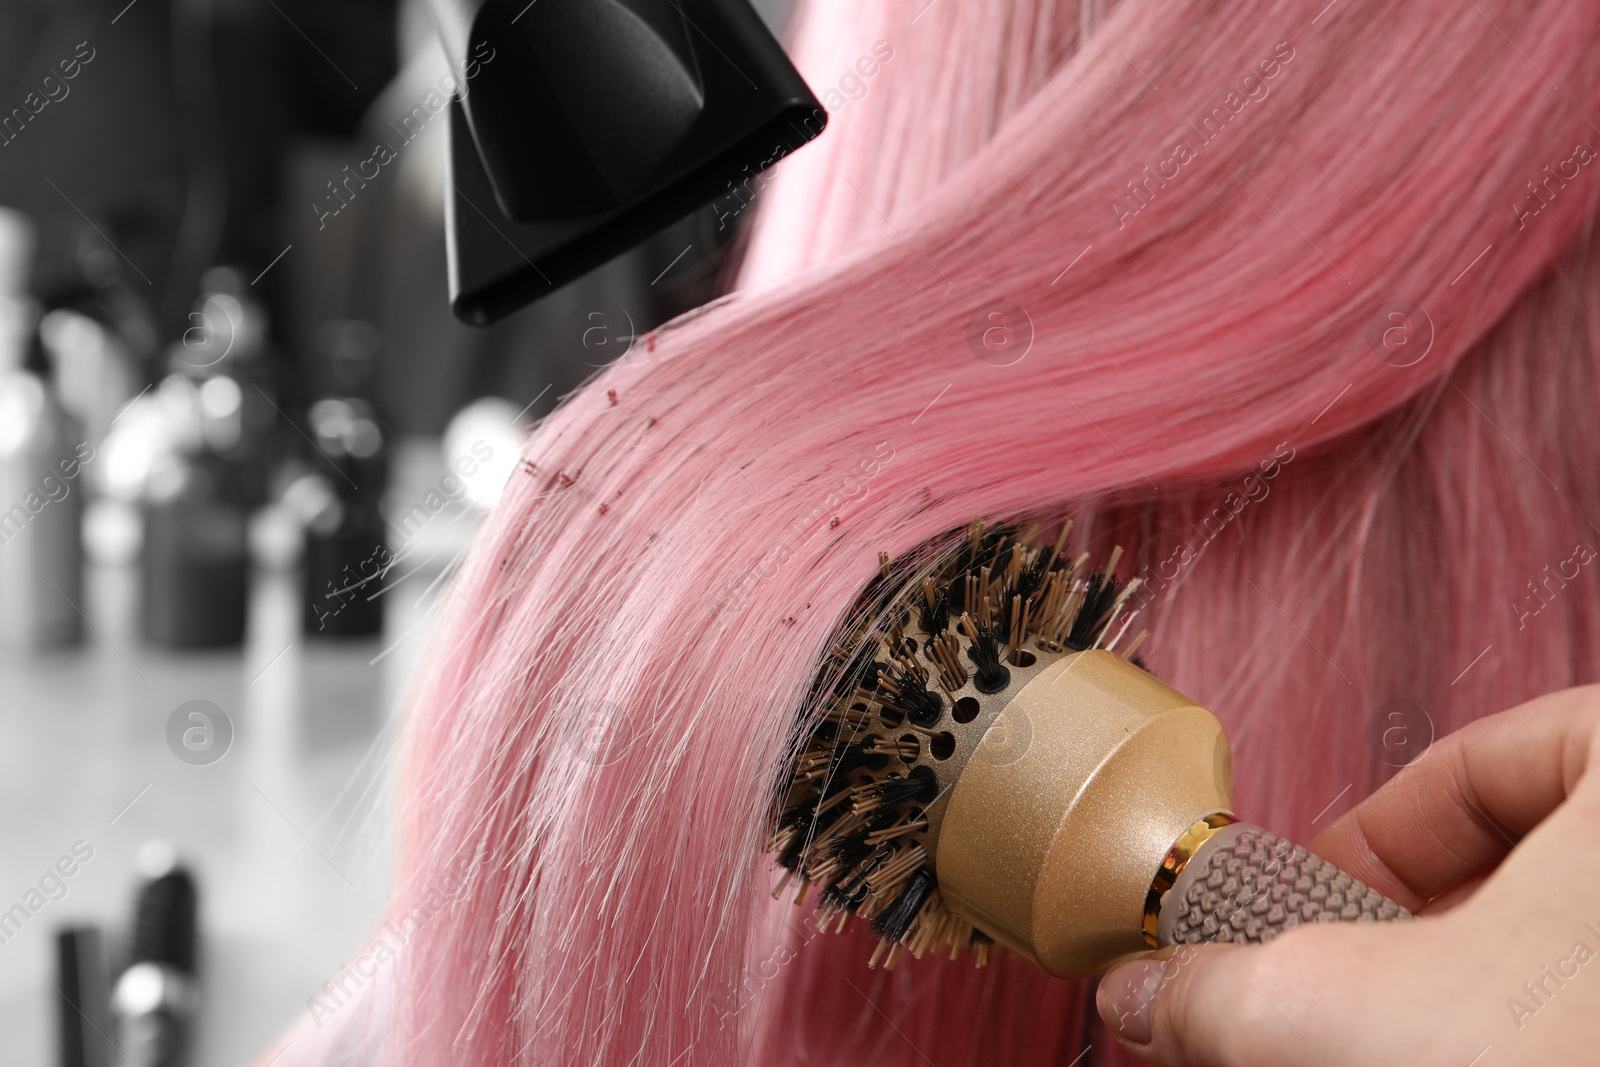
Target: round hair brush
(990, 767)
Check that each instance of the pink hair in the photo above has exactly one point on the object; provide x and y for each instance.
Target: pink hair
(1213, 381)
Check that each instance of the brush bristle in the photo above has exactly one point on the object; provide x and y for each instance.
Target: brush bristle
(855, 816)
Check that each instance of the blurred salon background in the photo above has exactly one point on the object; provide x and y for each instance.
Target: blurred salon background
(243, 444)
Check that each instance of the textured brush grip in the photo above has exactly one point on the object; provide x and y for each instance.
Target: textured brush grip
(1246, 885)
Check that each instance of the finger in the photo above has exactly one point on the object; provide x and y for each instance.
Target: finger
(1179, 1006)
(1378, 994)
(1456, 811)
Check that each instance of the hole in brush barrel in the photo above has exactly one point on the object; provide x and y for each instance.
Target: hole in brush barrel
(966, 710)
(942, 745)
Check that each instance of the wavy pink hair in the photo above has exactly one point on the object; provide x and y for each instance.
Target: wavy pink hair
(689, 528)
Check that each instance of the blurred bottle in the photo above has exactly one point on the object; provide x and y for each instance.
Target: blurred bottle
(227, 338)
(83, 1007)
(41, 457)
(104, 292)
(195, 566)
(99, 333)
(346, 543)
(218, 443)
(157, 996)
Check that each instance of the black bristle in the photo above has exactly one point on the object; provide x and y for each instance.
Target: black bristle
(882, 821)
(855, 755)
(1032, 578)
(790, 856)
(924, 706)
(1002, 557)
(933, 620)
(851, 850)
(861, 672)
(896, 792)
(995, 540)
(798, 815)
(915, 700)
(834, 897)
(893, 922)
(966, 558)
(1097, 600)
(805, 814)
(920, 785)
(992, 675)
(1002, 615)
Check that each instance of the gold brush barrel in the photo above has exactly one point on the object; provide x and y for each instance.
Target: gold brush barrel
(1091, 823)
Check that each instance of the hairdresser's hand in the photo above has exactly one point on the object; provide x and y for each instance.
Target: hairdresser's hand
(1502, 968)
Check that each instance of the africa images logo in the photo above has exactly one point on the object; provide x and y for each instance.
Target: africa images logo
(199, 732)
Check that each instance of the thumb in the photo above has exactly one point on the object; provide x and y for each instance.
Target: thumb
(1180, 1007)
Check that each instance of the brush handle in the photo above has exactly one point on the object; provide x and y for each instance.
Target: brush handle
(1247, 886)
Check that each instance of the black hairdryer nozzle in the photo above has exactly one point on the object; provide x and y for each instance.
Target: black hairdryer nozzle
(582, 127)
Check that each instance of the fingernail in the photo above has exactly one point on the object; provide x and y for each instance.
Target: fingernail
(1125, 995)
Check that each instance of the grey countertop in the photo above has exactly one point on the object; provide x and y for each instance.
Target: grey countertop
(289, 833)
